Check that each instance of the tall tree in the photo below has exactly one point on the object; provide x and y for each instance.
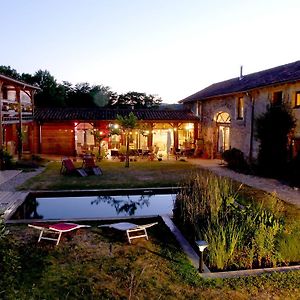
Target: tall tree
(8, 71)
(51, 94)
(272, 130)
(135, 100)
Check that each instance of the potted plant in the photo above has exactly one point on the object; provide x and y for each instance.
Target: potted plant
(159, 156)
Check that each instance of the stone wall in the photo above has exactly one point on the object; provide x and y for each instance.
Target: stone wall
(240, 129)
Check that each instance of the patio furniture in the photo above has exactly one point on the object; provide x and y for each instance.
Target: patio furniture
(55, 229)
(89, 165)
(67, 167)
(139, 231)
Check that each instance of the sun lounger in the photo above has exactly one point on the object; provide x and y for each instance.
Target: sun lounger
(56, 229)
(139, 231)
(89, 165)
(67, 167)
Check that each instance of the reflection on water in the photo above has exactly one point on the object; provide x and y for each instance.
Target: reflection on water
(129, 206)
(95, 207)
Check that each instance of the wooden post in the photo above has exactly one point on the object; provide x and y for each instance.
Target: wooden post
(175, 127)
(19, 127)
(1, 131)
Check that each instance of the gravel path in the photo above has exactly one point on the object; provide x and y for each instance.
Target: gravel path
(284, 192)
(11, 184)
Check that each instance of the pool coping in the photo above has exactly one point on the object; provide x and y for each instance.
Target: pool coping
(82, 193)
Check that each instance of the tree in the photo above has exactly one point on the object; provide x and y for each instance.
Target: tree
(272, 130)
(51, 94)
(127, 124)
(102, 95)
(8, 71)
(135, 100)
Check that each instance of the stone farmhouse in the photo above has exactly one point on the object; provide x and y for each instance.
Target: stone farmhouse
(227, 110)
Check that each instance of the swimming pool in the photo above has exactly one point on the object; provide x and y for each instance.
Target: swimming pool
(114, 204)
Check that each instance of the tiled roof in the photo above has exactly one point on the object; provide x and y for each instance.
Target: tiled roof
(93, 114)
(13, 81)
(282, 74)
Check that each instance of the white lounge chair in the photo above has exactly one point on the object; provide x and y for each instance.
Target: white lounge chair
(139, 230)
(58, 228)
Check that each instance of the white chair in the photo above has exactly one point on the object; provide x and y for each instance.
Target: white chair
(139, 231)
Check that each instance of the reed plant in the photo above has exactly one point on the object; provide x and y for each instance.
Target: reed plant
(238, 236)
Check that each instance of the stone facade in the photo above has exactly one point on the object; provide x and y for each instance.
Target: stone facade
(240, 131)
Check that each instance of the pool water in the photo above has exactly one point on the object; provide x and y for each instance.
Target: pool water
(93, 207)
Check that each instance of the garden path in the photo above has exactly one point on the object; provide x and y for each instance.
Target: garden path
(284, 192)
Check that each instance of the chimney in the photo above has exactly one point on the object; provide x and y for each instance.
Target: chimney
(241, 73)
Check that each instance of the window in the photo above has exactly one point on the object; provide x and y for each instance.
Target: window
(240, 108)
(297, 99)
(199, 109)
(277, 98)
(222, 117)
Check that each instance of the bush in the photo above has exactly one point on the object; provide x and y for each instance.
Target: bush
(294, 171)
(272, 130)
(238, 236)
(9, 259)
(6, 158)
(235, 160)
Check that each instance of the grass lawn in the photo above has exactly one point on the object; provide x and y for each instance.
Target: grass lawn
(100, 264)
(115, 175)
(83, 267)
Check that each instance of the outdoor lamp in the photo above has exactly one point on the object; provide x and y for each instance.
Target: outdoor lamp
(201, 245)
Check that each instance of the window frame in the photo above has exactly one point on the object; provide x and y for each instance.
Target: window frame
(275, 100)
(297, 104)
(240, 108)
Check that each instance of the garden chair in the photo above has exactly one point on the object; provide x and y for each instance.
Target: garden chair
(89, 165)
(55, 229)
(67, 167)
(139, 231)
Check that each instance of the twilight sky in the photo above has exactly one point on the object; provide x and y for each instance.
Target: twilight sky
(172, 48)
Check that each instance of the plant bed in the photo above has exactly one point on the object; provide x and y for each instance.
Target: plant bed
(241, 233)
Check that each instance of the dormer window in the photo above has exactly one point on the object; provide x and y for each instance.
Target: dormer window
(240, 108)
(277, 98)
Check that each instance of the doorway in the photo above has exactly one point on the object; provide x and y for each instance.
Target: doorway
(223, 130)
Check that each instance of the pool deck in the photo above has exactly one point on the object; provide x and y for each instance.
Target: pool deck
(10, 201)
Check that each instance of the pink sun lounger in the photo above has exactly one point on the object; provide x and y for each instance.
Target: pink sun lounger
(58, 228)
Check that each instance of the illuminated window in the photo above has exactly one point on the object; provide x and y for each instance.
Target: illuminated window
(222, 117)
(240, 108)
(297, 99)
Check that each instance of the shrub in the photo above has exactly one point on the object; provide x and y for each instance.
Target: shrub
(238, 236)
(6, 158)
(9, 259)
(272, 130)
(294, 171)
(235, 160)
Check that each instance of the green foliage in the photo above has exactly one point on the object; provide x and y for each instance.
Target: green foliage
(54, 94)
(293, 171)
(6, 159)
(127, 124)
(272, 130)
(134, 100)
(238, 236)
(9, 259)
(235, 160)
